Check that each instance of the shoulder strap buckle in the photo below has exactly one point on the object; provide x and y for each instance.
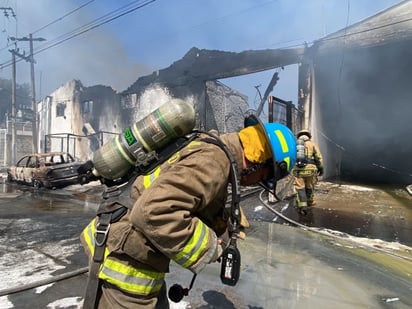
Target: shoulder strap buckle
(102, 229)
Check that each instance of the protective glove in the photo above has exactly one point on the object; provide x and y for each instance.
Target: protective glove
(320, 170)
(223, 242)
(224, 239)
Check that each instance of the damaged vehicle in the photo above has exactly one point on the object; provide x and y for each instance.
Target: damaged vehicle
(50, 170)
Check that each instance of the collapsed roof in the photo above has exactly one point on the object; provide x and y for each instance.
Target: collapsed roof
(203, 64)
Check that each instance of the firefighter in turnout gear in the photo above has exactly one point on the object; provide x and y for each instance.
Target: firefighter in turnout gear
(180, 213)
(309, 165)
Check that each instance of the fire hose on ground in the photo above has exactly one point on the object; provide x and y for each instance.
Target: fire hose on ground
(68, 275)
(39, 283)
(84, 270)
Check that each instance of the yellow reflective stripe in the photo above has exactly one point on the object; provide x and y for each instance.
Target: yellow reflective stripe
(174, 158)
(196, 245)
(148, 179)
(88, 234)
(119, 148)
(282, 140)
(303, 172)
(89, 237)
(287, 160)
(193, 145)
(131, 279)
(127, 278)
(283, 145)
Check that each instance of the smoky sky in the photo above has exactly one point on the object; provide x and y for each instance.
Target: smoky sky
(118, 53)
(95, 57)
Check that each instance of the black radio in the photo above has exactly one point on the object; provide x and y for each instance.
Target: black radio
(230, 268)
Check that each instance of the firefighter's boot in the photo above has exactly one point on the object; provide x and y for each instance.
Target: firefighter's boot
(301, 202)
(310, 197)
(303, 211)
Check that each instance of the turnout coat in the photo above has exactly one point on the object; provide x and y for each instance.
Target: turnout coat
(179, 213)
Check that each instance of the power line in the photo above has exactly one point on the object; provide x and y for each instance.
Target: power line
(51, 23)
(95, 23)
(122, 11)
(108, 18)
(64, 16)
(345, 35)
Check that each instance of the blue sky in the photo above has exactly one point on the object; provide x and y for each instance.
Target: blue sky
(152, 37)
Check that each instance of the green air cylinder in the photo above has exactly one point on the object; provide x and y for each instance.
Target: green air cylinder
(137, 145)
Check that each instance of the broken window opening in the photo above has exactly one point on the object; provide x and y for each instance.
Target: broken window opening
(87, 106)
(60, 109)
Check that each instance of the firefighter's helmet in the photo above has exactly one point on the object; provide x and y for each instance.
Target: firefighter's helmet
(304, 132)
(282, 143)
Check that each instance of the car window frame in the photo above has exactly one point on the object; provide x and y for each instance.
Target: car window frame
(23, 161)
(33, 162)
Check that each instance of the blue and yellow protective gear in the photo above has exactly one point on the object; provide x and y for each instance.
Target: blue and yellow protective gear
(282, 144)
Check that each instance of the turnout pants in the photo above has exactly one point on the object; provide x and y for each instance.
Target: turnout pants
(305, 181)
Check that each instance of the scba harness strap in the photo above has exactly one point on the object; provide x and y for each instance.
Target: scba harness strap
(113, 207)
(116, 202)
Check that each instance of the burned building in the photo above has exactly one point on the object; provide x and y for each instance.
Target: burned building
(194, 78)
(360, 97)
(353, 95)
(78, 119)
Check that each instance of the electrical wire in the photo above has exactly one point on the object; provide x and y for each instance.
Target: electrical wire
(55, 21)
(62, 17)
(122, 11)
(90, 26)
(109, 17)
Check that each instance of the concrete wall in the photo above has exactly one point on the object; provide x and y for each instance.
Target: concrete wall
(72, 117)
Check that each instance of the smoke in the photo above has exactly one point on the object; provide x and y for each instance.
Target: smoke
(103, 62)
(364, 107)
(118, 53)
(95, 57)
(150, 99)
(153, 97)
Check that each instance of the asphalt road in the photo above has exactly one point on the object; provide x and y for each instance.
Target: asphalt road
(283, 266)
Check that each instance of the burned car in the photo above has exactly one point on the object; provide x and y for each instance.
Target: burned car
(50, 170)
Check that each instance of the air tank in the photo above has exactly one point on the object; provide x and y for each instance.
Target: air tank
(300, 147)
(137, 144)
(301, 153)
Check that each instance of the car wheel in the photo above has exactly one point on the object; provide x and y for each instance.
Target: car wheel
(37, 184)
(83, 179)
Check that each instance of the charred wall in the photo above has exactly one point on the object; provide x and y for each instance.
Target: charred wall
(216, 105)
(103, 112)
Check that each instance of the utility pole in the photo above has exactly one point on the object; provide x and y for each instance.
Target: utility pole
(13, 110)
(6, 13)
(30, 59)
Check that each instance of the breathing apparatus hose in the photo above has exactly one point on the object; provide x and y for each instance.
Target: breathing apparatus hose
(36, 284)
(319, 231)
